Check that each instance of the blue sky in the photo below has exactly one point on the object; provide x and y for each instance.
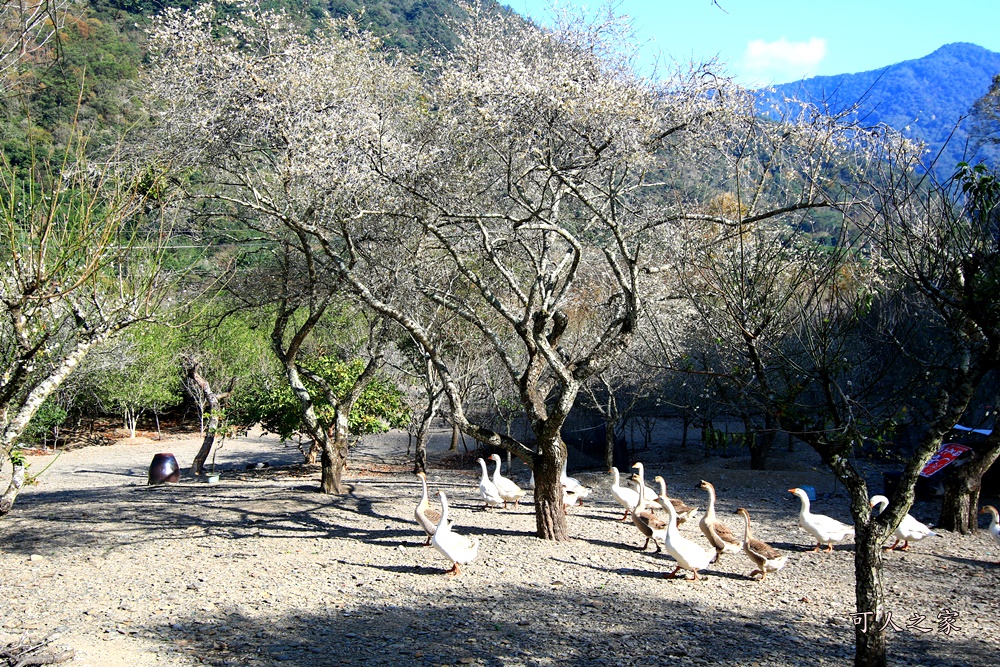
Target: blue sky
(774, 41)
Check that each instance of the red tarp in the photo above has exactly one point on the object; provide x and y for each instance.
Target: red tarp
(944, 456)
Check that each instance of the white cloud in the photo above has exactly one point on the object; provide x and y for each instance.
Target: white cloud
(782, 60)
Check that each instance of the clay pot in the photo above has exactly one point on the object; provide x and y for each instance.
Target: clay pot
(164, 469)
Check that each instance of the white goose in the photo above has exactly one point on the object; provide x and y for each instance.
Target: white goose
(763, 555)
(425, 516)
(826, 530)
(719, 535)
(689, 556)
(573, 485)
(994, 522)
(648, 493)
(909, 529)
(488, 491)
(509, 491)
(456, 548)
(624, 496)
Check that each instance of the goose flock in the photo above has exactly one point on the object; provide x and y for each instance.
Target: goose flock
(640, 501)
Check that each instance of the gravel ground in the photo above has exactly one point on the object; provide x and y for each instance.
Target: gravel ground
(262, 570)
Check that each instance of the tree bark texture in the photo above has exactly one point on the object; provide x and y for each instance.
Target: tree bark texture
(335, 452)
(870, 620)
(609, 443)
(423, 434)
(960, 506)
(11, 429)
(215, 407)
(760, 444)
(14, 488)
(550, 517)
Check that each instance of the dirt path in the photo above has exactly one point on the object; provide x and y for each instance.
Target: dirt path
(261, 570)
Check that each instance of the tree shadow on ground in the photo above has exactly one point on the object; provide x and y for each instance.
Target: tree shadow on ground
(527, 626)
(81, 519)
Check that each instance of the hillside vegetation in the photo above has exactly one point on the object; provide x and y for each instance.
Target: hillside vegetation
(925, 98)
(92, 82)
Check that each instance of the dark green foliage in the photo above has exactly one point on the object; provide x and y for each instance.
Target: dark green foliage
(45, 423)
(272, 405)
(87, 88)
(924, 98)
(410, 26)
(102, 47)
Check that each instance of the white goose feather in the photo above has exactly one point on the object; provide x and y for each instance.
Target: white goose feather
(825, 529)
(689, 556)
(488, 491)
(994, 522)
(908, 530)
(456, 548)
(507, 488)
(624, 496)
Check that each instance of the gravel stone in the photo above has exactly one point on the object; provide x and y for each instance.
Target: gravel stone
(262, 570)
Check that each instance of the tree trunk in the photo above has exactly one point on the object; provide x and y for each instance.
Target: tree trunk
(454, 437)
(423, 433)
(198, 465)
(11, 429)
(609, 443)
(871, 617)
(14, 488)
(320, 437)
(131, 421)
(960, 506)
(760, 443)
(550, 516)
(335, 452)
(311, 454)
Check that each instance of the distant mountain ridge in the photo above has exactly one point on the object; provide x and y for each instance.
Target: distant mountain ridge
(923, 98)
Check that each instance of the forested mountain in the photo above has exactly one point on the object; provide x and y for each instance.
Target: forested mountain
(925, 98)
(101, 48)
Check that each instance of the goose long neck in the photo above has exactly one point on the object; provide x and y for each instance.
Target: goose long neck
(614, 473)
(805, 503)
(663, 487)
(482, 464)
(671, 518)
(994, 518)
(881, 504)
(640, 504)
(746, 526)
(444, 511)
(711, 501)
(496, 471)
(423, 499)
